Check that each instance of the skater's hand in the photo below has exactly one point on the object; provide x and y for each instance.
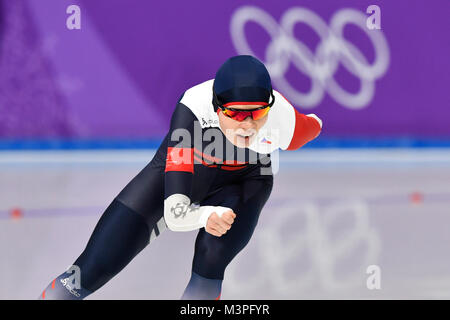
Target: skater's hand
(218, 226)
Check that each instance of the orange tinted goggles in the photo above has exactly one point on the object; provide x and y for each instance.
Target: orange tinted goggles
(241, 115)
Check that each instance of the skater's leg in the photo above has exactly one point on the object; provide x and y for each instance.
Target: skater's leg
(201, 288)
(213, 254)
(118, 237)
(132, 220)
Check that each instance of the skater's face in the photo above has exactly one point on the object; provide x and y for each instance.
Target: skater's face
(241, 133)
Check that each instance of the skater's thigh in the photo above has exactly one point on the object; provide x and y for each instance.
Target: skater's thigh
(144, 194)
(246, 199)
(213, 254)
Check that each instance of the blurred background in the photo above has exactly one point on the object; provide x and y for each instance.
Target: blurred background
(86, 94)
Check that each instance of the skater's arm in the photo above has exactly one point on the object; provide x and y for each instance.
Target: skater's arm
(296, 129)
(307, 128)
(179, 213)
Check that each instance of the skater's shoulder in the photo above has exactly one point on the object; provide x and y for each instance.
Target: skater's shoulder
(198, 93)
(198, 99)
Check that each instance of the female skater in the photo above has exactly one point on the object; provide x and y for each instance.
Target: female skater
(212, 172)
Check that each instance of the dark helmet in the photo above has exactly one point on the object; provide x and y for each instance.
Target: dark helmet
(242, 79)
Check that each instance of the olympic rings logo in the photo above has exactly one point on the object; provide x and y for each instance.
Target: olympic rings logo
(319, 240)
(320, 66)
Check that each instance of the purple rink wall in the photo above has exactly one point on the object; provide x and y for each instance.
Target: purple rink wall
(119, 76)
(342, 222)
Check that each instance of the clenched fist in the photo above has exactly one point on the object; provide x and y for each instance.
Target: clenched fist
(218, 226)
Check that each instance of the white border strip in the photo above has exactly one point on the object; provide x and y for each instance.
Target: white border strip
(307, 156)
(334, 156)
(77, 157)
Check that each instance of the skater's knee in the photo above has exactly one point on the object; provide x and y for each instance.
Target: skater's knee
(211, 261)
